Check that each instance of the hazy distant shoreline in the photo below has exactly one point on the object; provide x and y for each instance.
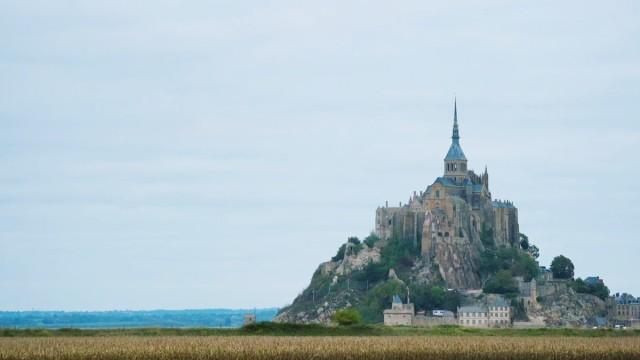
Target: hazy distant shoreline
(214, 318)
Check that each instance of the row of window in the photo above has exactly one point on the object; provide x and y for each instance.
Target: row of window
(500, 314)
(454, 167)
(482, 314)
(482, 321)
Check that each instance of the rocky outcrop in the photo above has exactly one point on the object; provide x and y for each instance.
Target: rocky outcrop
(451, 241)
(560, 306)
(457, 264)
(355, 260)
(331, 287)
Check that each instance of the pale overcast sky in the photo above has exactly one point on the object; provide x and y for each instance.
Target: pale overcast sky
(199, 154)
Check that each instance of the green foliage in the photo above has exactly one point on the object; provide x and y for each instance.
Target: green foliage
(598, 289)
(434, 297)
(398, 253)
(452, 300)
(379, 298)
(526, 267)
(508, 258)
(340, 255)
(372, 272)
(347, 317)
(353, 240)
(562, 267)
(501, 283)
(371, 240)
(486, 236)
(534, 251)
(524, 241)
(519, 311)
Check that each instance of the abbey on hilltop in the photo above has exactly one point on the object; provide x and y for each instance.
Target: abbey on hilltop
(452, 215)
(458, 254)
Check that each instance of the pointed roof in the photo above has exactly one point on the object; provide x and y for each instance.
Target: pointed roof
(455, 151)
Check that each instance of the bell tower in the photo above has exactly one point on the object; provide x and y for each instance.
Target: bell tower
(455, 163)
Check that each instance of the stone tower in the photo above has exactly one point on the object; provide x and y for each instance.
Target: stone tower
(455, 163)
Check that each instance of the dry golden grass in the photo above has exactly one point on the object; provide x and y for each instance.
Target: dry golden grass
(334, 348)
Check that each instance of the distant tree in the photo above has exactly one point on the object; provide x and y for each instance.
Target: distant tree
(452, 300)
(562, 267)
(525, 266)
(347, 316)
(378, 298)
(340, 255)
(534, 251)
(371, 239)
(524, 241)
(372, 272)
(598, 289)
(354, 240)
(427, 297)
(501, 283)
(519, 310)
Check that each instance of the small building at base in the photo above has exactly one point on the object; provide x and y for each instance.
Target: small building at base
(496, 312)
(399, 314)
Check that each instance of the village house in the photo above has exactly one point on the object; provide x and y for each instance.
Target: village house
(495, 312)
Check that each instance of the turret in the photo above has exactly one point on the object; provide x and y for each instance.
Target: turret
(455, 163)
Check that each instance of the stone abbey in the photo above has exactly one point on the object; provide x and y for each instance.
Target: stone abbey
(451, 218)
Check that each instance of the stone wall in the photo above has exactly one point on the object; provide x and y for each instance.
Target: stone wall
(423, 320)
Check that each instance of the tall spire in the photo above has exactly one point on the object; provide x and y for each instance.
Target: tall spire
(456, 134)
(455, 151)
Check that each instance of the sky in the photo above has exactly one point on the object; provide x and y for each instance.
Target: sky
(204, 154)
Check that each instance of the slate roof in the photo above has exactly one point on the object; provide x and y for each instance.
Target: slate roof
(472, 308)
(498, 301)
(448, 182)
(455, 152)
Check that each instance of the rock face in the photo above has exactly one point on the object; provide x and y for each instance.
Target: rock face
(331, 287)
(560, 306)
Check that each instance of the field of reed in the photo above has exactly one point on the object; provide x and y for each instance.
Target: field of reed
(334, 348)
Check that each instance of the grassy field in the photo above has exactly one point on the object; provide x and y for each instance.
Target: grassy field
(319, 347)
(274, 329)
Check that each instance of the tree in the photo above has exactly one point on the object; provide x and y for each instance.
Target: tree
(598, 289)
(372, 272)
(501, 283)
(354, 240)
(526, 267)
(524, 241)
(347, 316)
(534, 251)
(340, 255)
(427, 297)
(371, 239)
(562, 267)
